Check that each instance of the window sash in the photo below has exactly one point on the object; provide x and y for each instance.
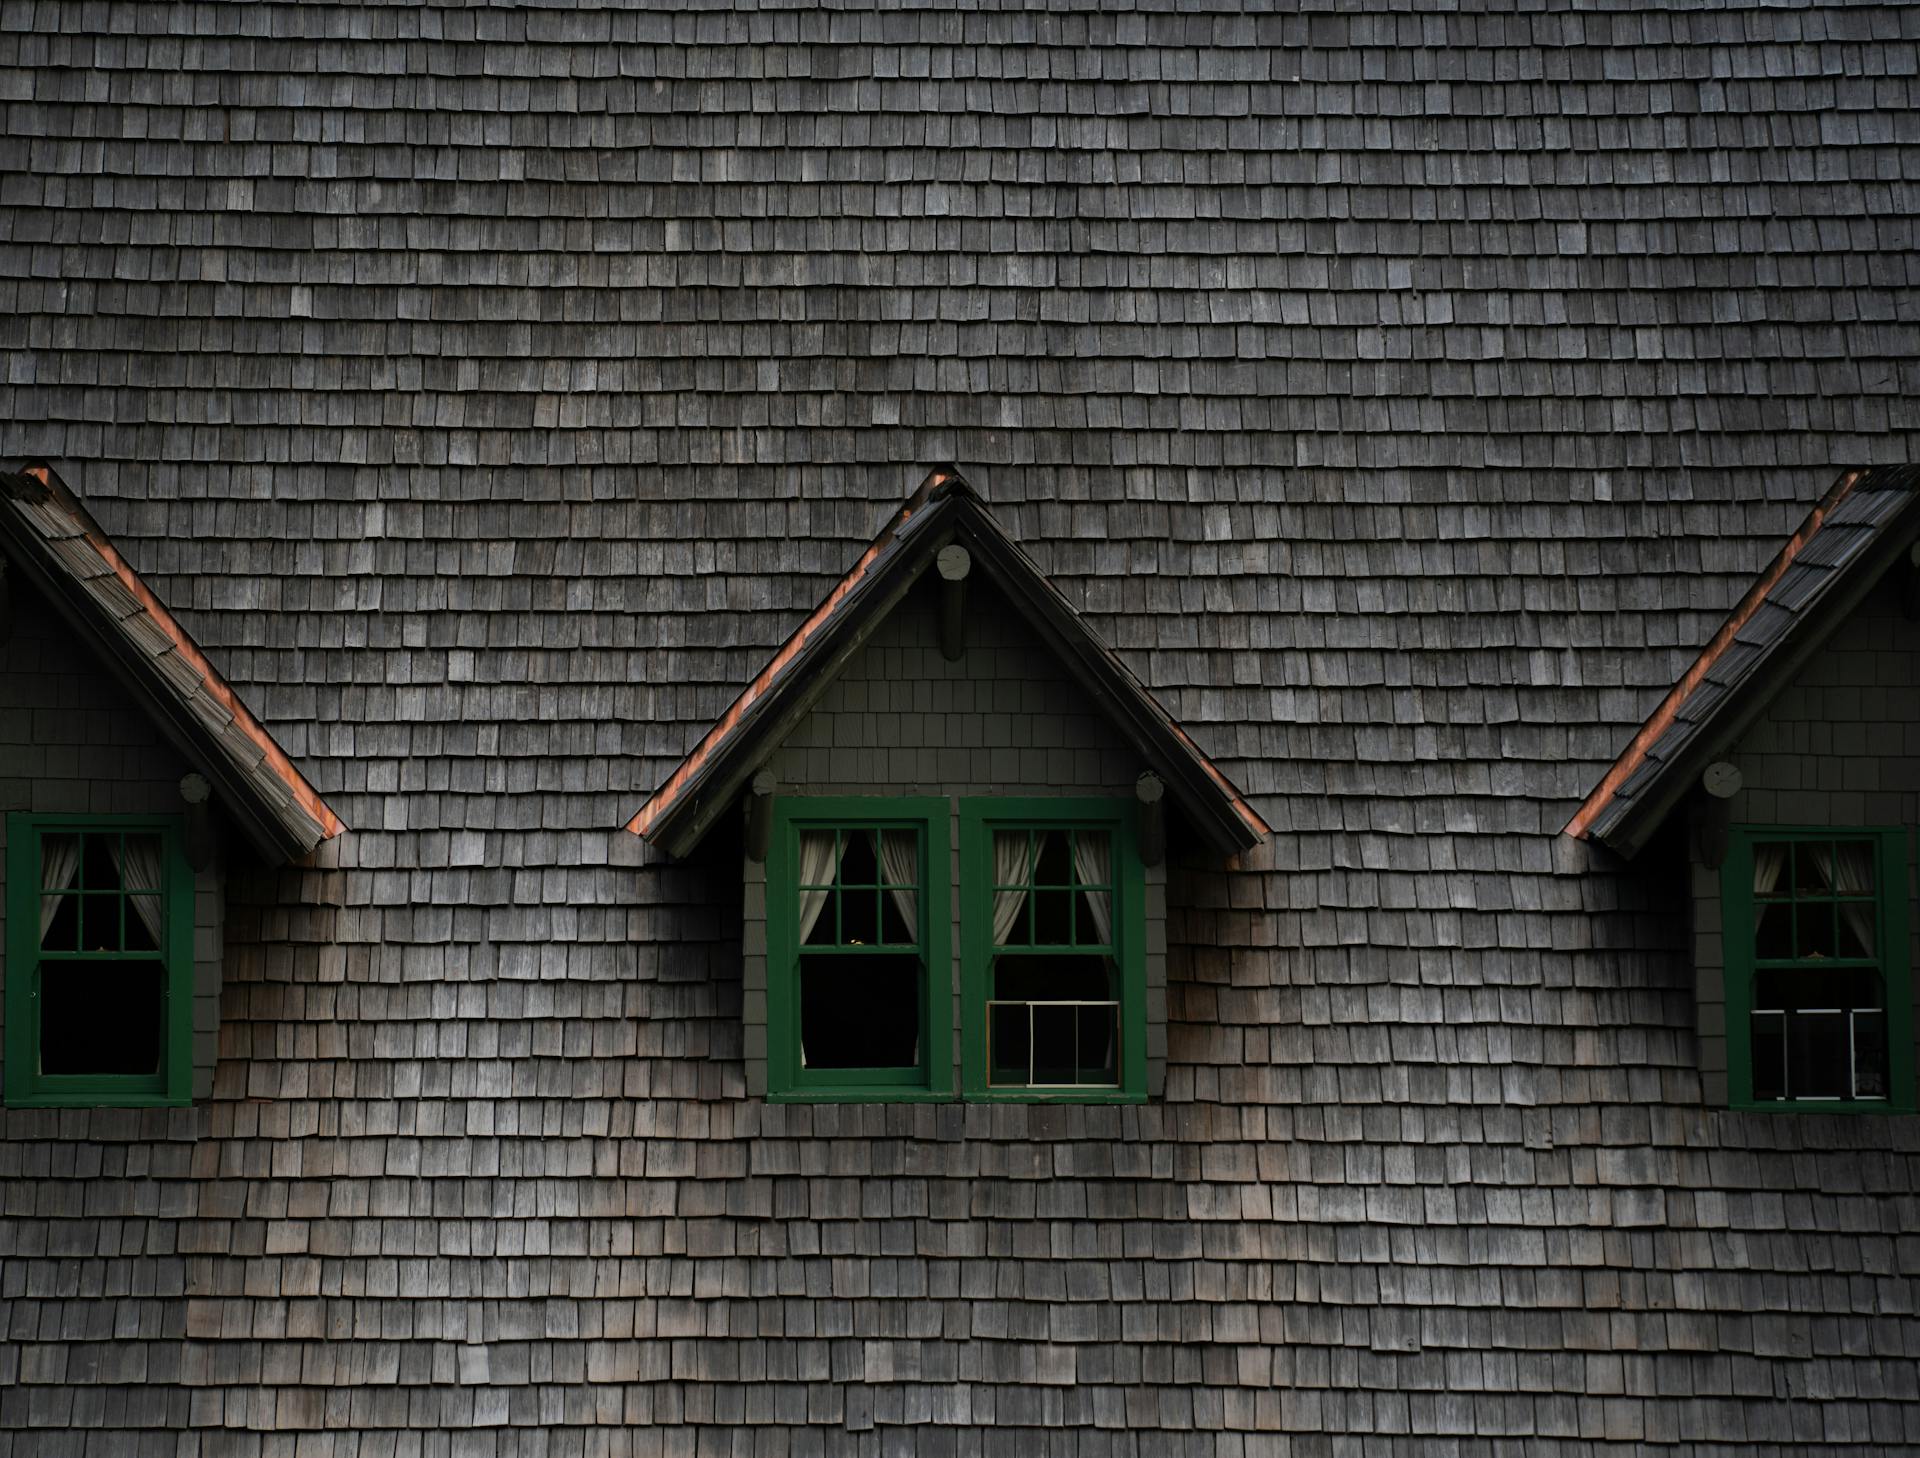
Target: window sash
(25, 1084)
(1742, 964)
(980, 819)
(787, 1074)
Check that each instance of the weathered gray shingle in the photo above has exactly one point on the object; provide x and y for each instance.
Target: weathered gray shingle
(1405, 397)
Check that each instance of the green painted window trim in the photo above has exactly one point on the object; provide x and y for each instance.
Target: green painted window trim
(980, 816)
(787, 1080)
(1737, 923)
(25, 1085)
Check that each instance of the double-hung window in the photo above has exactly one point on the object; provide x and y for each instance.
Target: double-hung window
(857, 920)
(1050, 992)
(99, 974)
(1053, 986)
(1819, 1003)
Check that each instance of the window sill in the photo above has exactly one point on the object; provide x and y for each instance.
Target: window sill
(881, 1095)
(1819, 1106)
(96, 1101)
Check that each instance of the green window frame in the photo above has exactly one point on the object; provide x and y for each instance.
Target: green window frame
(109, 914)
(981, 820)
(833, 906)
(1806, 909)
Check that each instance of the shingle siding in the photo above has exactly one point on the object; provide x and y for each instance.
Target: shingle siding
(1406, 397)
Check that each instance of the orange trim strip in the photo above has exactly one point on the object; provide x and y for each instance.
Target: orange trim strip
(1657, 723)
(284, 769)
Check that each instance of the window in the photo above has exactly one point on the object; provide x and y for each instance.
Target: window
(857, 916)
(1819, 1005)
(1053, 967)
(99, 974)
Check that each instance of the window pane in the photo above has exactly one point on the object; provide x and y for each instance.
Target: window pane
(859, 1011)
(1055, 1029)
(1012, 918)
(860, 917)
(1037, 978)
(1869, 1055)
(1093, 919)
(142, 923)
(819, 918)
(1813, 929)
(1093, 857)
(141, 869)
(1055, 865)
(1818, 1061)
(59, 861)
(900, 857)
(1098, 1060)
(60, 923)
(895, 929)
(1853, 867)
(1856, 928)
(1053, 918)
(1008, 1045)
(1770, 861)
(1773, 930)
(101, 1017)
(858, 865)
(99, 922)
(99, 861)
(1812, 862)
(1769, 1039)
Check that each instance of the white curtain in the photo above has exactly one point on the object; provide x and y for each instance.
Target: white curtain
(1769, 867)
(1093, 862)
(898, 854)
(818, 864)
(60, 858)
(141, 867)
(1851, 874)
(1012, 864)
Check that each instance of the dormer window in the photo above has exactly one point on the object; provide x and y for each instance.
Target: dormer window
(1055, 950)
(854, 923)
(1780, 758)
(137, 764)
(1819, 1002)
(99, 979)
(955, 833)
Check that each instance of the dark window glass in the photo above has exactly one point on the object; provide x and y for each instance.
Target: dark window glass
(860, 1010)
(1769, 1039)
(101, 1016)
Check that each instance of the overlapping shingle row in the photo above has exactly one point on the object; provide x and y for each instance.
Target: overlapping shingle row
(1405, 397)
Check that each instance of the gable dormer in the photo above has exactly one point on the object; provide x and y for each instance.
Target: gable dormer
(127, 760)
(956, 803)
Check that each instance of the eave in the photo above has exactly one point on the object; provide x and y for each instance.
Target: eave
(47, 534)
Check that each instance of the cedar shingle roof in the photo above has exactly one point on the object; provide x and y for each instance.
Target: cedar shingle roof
(1404, 393)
